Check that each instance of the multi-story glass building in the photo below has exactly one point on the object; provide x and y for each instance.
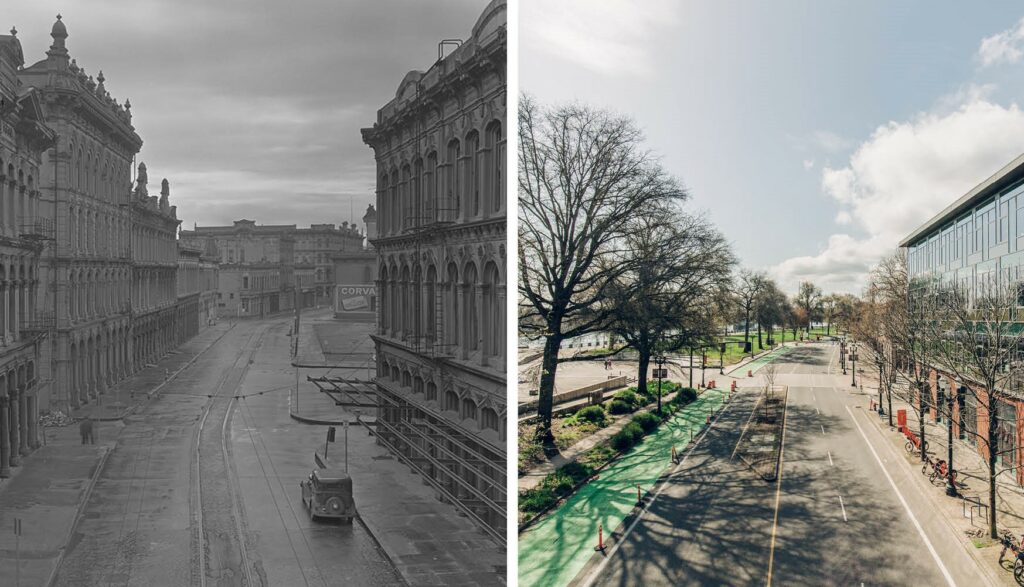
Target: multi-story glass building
(976, 243)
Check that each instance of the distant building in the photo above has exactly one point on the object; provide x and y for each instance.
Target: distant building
(439, 146)
(257, 266)
(313, 249)
(355, 277)
(197, 292)
(24, 137)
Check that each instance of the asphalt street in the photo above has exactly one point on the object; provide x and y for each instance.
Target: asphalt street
(846, 510)
(148, 520)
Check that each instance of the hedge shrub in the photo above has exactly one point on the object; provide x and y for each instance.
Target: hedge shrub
(627, 438)
(648, 421)
(619, 406)
(628, 396)
(685, 395)
(592, 414)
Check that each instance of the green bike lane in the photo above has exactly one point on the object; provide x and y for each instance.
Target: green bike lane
(761, 361)
(554, 550)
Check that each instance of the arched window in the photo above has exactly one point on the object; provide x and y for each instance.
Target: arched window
(417, 303)
(385, 297)
(468, 409)
(451, 200)
(431, 394)
(395, 204)
(471, 320)
(472, 182)
(451, 401)
(489, 419)
(493, 312)
(430, 320)
(405, 195)
(416, 193)
(452, 319)
(494, 164)
(406, 309)
(429, 186)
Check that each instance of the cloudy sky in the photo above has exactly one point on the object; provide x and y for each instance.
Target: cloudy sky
(815, 134)
(252, 109)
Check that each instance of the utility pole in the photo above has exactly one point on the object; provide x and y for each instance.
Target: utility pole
(295, 349)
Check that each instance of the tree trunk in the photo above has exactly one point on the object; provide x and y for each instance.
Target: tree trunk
(746, 326)
(920, 419)
(641, 373)
(888, 395)
(545, 399)
(760, 344)
(828, 328)
(950, 487)
(992, 447)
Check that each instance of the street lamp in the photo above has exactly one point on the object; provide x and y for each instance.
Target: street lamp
(660, 362)
(842, 355)
(853, 365)
(950, 487)
(878, 359)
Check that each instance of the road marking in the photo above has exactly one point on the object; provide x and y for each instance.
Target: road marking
(906, 506)
(816, 410)
(778, 494)
(830, 458)
(822, 429)
(843, 507)
(650, 504)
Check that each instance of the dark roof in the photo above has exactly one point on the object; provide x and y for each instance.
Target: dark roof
(1010, 174)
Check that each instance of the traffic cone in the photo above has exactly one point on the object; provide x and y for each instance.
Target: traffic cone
(600, 538)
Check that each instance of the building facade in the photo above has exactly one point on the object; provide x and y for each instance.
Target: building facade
(313, 249)
(257, 266)
(439, 147)
(357, 267)
(977, 244)
(86, 270)
(197, 279)
(24, 137)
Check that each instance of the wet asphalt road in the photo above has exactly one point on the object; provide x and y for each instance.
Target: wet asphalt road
(141, 525)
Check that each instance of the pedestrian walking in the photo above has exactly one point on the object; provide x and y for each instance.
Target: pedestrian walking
(86, 430)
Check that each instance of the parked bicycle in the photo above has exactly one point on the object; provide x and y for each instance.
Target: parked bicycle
(936, 470)
(1018, 553)
(913, 444)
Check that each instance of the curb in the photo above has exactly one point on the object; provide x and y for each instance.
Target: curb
(314, 421)
(78, 515)
(983, 568)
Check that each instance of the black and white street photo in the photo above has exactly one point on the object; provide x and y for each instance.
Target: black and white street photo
(253, 282)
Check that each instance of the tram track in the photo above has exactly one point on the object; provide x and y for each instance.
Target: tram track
(220, 554)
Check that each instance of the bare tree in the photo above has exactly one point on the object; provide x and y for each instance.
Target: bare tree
(978, 339)
(770, 308)
(829, 306)
(809, 299)
(583, 177)
(675, 266)
(748, 287)
(770, 371)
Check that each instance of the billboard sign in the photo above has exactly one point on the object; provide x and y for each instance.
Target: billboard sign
(355, 302)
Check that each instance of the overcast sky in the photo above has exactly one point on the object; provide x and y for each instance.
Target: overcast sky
(251, 109)
(815, 134)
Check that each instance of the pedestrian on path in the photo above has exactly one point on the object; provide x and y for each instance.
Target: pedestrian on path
(86, 430)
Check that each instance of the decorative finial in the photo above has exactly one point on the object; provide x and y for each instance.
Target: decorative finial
(127, 104)
(100, 77)
(58, 16)
(14, 32)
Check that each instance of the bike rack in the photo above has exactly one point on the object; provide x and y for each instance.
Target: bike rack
(976, 504)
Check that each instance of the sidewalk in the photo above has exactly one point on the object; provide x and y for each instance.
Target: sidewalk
(128, 395)
(49, 489)
(972, 482)
(427, 540)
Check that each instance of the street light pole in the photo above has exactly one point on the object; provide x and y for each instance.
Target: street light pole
(853, 365)
(703, 363)
(660, 362)
(950, 486)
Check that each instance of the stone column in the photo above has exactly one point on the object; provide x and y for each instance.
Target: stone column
(478, 331)
(7, 314)
(23, 422)
(462, 324)
(5, 437)
(15, 426)
(17, 308)
(500, 325)
(33, 421)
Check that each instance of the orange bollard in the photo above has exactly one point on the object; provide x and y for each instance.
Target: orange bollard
(733, 388)
(600, 538)
(708, 421)
(750, 373)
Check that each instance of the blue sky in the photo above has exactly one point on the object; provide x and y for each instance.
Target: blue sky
(815, 134)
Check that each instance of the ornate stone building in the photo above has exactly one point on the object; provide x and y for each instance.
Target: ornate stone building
(440, 152)
(257, 265)
(107, 295)
(23, 139)
(85, 192)
(197, 281)
(313, 249)
(357, 267)
(154, 256)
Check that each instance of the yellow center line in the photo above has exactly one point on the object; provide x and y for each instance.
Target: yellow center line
(778, 490)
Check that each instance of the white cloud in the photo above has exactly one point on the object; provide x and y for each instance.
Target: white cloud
(611, 37)
(808, 163)
(902, 175)
(1002, 47)
(830, 141)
